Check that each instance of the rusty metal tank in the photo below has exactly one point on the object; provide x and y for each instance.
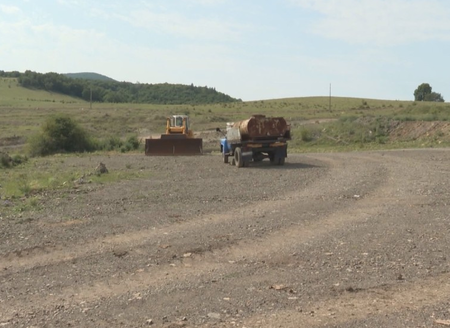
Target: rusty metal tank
(262, 127)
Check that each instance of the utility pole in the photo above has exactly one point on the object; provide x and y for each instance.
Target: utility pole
(329, 103)
(90, 98)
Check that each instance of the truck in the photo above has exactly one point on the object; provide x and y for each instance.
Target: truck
(255, 139)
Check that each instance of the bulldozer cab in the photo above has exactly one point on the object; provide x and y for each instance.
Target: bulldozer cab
(178, 124)
(177, 120)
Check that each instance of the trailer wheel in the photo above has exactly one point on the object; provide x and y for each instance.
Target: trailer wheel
(272, 158)
(281, 161)
(238, 157)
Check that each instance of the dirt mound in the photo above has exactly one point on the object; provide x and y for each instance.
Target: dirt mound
(403, 131)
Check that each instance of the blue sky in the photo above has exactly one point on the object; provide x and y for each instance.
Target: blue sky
(248, 49)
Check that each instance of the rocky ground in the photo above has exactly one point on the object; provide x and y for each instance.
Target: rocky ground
(328, 240)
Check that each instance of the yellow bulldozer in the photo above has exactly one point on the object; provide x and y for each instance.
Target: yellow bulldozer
(178, 140)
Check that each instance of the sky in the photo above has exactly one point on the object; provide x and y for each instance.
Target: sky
(248, 49)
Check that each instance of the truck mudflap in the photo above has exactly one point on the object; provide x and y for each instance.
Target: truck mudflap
(173, 147)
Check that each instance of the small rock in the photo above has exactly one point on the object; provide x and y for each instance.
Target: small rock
(101, 168)
(149, 322)
(213, 315)
(120, 253)
(442, 322)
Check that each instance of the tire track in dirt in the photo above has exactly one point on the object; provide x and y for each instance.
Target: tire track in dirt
(195, 268)
(192, 269)
(362, 304)
(47, 255)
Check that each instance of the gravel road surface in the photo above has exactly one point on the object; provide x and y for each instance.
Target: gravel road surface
(327, 240)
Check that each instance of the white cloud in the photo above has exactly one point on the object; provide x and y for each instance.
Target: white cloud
(50, 47)
(10, 10)
(380, 22)
(207, 2)
(182, 26)
(69, 2)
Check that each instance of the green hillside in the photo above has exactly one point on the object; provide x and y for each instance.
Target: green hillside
(15, 96)
(317, 125)
(110, 91)
(89, 76)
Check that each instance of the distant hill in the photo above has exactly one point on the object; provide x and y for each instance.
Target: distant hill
(89, 76)
(99, 88)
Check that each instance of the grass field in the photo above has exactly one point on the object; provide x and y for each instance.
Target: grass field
(23, 111)
(345, 124)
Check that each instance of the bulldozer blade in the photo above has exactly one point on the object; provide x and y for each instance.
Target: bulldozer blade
(173, 147)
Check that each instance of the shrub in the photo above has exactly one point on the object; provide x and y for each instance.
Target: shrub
(133, 142)
(115, 143)
(60, 134)
(112, 143)
(305, 135)
(7, 161)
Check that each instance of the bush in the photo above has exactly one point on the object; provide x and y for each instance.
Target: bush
(60, 134)
(115, 143)
(306, 135)
(112, 143)
(7, 161)
(133, 142)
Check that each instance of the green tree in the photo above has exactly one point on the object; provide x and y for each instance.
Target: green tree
(424, 92)
(434, 96)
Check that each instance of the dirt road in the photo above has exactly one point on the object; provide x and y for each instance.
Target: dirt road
(328, 240)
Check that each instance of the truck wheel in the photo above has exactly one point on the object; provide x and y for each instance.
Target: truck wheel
(281, 160)
(238, 157)
(272, 158)
(225, 158)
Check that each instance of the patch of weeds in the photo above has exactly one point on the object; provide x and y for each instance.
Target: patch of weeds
(382, 140)
(23, 184)
(364, 105)
(7, 161)
(24, 220)
(29, 204)
(52, 182)
(306, 135)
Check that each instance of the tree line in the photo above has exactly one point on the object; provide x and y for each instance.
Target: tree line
(119, 92)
